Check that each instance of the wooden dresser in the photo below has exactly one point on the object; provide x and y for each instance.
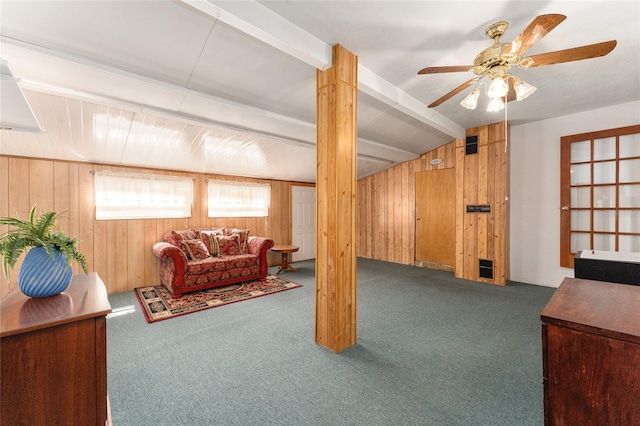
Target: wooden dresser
(53, 356)
(591, 354)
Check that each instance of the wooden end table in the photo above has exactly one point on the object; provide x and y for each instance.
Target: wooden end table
(284, 251)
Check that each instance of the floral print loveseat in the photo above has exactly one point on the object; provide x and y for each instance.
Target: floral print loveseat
(198, 259)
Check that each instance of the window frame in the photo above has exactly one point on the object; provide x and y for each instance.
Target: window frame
(566, 256)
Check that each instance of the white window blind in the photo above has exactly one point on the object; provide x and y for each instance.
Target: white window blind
(238, 199)
(141, 196)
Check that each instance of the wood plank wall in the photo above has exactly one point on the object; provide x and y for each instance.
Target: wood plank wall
(483, 178)
(386, 207)
(120, 250)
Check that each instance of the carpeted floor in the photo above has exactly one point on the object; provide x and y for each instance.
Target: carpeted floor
(158, 304)
(431, 350)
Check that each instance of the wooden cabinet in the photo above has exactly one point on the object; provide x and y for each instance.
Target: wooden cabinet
(591, 354)
(53, 353)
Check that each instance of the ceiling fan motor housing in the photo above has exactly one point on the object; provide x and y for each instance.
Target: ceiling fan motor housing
(498, 55)
(494, 56)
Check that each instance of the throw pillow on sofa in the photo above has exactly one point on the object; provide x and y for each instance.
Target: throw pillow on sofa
(208, 237)
(177, 237)
(243, 235)
(195, 249)
(228, 245)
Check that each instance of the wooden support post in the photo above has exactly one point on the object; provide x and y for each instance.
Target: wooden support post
(336, 204)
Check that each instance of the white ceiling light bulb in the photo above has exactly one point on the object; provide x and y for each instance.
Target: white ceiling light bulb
(495, 104)
(471, 101)
(522, 89)
(498, 88)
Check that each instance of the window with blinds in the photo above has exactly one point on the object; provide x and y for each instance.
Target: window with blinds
(238, 199)
(141, 196)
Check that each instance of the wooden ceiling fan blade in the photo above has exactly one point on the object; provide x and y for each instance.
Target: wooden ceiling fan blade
(454, 92)
(511, 95)
(439, 70)
(573, 54)
(535, 31)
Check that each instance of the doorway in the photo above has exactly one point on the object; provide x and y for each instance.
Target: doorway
(435, 218)
(303, 222)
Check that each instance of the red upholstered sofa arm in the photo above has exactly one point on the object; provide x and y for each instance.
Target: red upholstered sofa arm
(174, 264)
(168, 251)
(259, 247)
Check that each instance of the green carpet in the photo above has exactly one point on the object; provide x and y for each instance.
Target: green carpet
(157, 302)
(431, 350)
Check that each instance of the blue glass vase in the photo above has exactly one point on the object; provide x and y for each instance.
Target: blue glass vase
(43, 276)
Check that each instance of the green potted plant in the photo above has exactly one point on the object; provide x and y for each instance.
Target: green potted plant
(46, 269)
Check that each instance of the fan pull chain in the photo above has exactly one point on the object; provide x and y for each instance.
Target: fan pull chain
(506, 106)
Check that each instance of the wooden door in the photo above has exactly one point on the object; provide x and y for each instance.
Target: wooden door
(435, 217)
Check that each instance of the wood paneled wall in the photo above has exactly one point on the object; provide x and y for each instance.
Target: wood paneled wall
(386, 207)
(120, 250)
(483, 178)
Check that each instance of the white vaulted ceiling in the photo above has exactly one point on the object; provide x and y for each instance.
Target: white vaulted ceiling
(229, 87)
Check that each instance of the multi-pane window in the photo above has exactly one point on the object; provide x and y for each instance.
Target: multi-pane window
(600, 192)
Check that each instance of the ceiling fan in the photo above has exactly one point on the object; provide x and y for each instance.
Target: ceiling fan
(495, 61)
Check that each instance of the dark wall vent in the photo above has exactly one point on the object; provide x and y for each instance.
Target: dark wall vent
(471, 145)
(486, 268)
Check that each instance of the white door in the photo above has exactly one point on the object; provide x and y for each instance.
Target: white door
(303, 227)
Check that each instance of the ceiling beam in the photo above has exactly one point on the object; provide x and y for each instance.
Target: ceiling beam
(263, 24)
(260, 22)
(374, 85)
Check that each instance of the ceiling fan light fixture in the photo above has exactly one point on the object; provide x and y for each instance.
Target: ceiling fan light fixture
(523, 89)
(495, 104)
(471, 101)
(498, 88)
(496, 61)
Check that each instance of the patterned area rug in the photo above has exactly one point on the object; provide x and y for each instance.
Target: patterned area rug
(157, 304)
